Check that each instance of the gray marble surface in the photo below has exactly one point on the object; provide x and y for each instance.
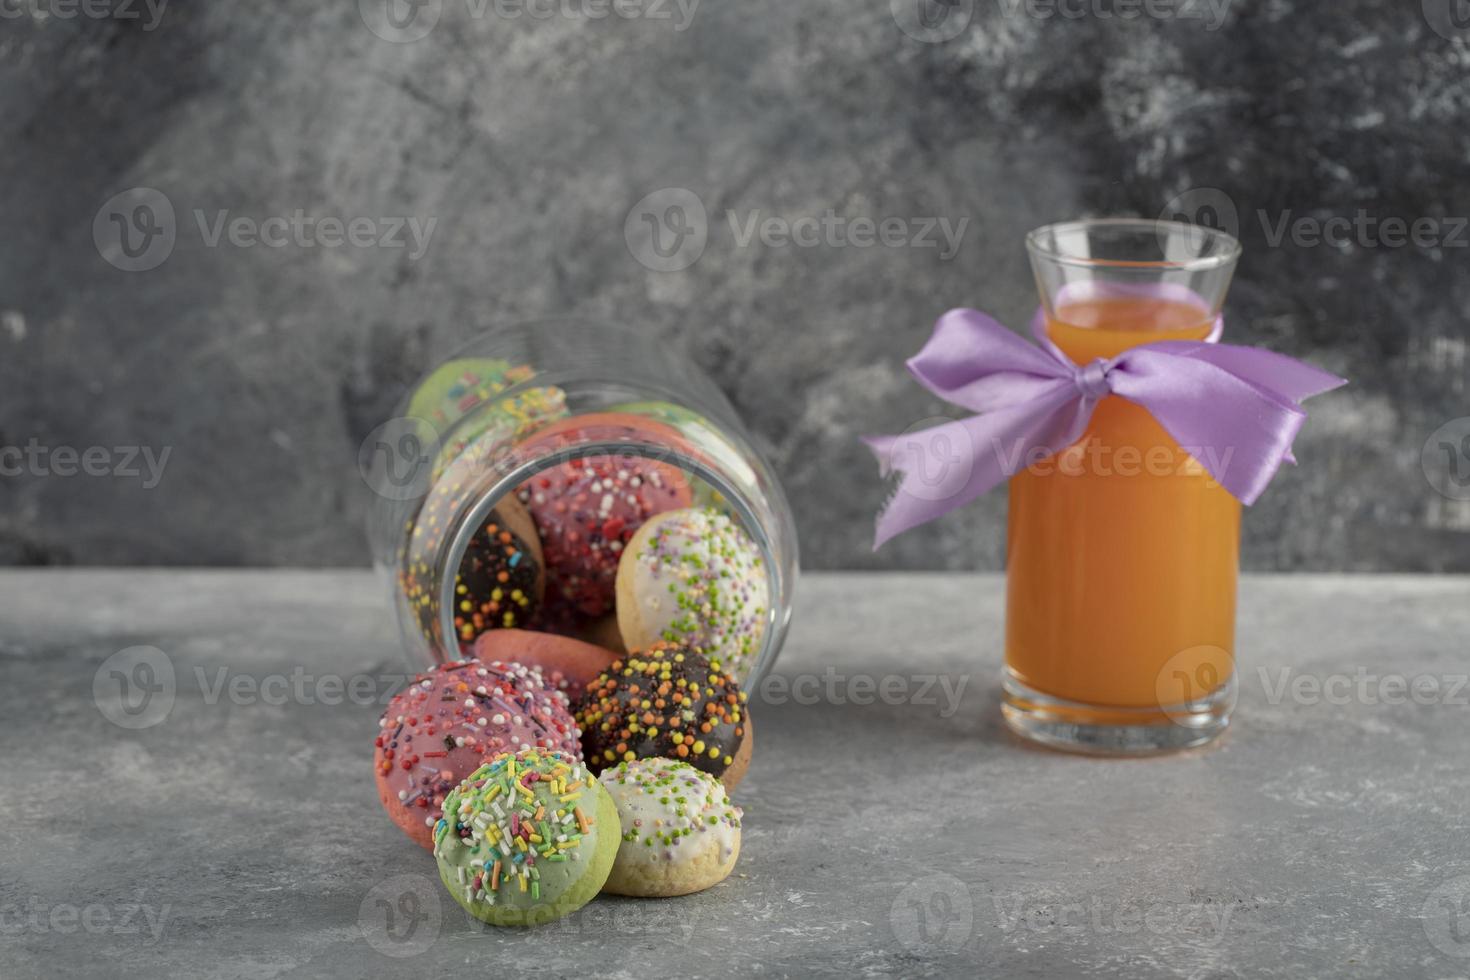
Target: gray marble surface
(533, 142)
(228, 826)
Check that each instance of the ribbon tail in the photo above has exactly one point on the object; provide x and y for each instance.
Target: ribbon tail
(1239, 431)
(1284, 376)
(949, 465)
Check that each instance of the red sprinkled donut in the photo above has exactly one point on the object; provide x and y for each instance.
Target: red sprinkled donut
(453, 719)
(586, 509)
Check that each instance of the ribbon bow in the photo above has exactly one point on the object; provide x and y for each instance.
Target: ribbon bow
(1236, 408)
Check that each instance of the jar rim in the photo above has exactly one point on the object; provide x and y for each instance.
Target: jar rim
(780, 577)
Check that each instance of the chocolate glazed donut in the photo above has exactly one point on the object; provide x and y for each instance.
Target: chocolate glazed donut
(670, 701)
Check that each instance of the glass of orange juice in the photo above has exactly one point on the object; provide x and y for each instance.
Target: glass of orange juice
(1122, 550)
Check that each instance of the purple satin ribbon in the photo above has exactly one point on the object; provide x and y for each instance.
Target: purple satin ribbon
(1234, 409)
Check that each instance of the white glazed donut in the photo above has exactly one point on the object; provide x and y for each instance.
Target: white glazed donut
(694, 577)
(681, 834)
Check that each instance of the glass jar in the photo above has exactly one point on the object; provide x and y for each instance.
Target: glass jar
(518, 471)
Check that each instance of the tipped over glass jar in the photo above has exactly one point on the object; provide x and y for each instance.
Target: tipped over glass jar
(573, 477)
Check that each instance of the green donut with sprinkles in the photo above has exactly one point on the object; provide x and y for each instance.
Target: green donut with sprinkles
(527, 838)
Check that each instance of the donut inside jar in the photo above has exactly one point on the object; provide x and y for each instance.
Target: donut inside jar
(622, 549)
(569, 506)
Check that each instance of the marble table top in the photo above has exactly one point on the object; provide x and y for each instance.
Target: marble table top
(185, 790)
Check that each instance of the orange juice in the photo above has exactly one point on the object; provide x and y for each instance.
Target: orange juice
(1122, 550)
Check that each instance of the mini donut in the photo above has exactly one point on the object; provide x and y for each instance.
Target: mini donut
(587, 508)
(477, 387)
(695, 577)
(527, 838)
(567, 664)
(681, 834)
(501, 580)
(667, 412)
(462, 386)
(459, 386)
(449, 721)
(666, 701)
(700, 431)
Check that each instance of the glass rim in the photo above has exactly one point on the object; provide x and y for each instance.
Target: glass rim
(1157, 227)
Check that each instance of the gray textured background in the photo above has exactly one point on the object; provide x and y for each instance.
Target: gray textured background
(530, 140)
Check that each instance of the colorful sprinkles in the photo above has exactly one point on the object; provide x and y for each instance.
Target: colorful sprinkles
(586, 511)
(513, 815)
(449, 720)
(662, 802)
(499, 583)
(445, 399)
(666, 701)
(699, 580)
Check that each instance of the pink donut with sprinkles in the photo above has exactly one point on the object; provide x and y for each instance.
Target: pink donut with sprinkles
(587, 509)
(452, 720)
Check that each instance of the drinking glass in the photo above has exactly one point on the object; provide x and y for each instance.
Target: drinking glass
(1122, 550)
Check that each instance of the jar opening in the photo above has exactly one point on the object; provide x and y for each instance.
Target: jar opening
(511, 472)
